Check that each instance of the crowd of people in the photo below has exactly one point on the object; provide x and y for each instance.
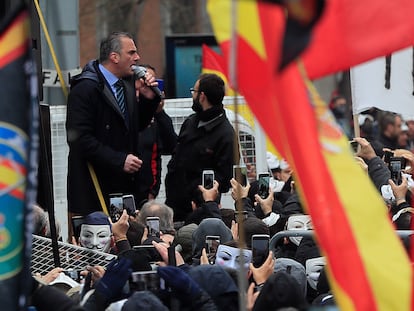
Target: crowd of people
(172, 265)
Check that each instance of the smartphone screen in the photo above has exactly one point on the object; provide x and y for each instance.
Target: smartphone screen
(128, 202)
(212, 243)
(354, 146)
(153, 225)
(208, 179)
(395, 167)
(240, 174)
(264, 185)
(77, 222)
(116, 207)
(260, 249)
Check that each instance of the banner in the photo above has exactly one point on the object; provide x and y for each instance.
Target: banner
(385, 83)
(18, 158)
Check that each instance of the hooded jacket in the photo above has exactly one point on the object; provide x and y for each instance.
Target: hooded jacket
(98, 133)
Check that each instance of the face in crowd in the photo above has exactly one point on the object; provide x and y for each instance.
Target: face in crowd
(298, 222)
(96, 237)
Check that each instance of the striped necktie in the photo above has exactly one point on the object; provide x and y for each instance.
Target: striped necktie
(120, 96)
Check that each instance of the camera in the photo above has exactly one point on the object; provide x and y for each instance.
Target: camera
(153, 225)
(240, 174)
(74, 275)
(260, 249)
(146, 280)
(396, 165)
(212, 243)
(208, 179)
(264, 179)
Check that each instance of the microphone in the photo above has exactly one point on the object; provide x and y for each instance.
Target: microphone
(139, 73)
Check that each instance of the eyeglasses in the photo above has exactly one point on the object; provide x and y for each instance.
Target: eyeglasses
(193, 90)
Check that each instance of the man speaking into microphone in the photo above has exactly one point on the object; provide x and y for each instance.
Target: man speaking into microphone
(104, 117)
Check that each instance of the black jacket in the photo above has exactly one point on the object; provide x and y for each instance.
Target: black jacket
(199, 148)
(98, 133)
(159, 138)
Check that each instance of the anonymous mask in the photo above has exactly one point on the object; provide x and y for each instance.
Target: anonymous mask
(96, 237)
(229, 257)
(314, 267)
(298, 222)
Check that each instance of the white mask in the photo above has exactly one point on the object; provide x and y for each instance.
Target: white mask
(229, 257)
(298, 222)
(314, 267)
(96, 237)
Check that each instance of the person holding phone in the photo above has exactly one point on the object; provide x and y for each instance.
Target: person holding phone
(205, 142)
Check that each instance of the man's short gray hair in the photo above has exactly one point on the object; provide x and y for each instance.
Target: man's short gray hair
(161, 210)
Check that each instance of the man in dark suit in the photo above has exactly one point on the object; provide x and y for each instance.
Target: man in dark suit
(104, 117)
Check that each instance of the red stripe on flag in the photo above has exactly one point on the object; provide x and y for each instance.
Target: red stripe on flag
(18, 194)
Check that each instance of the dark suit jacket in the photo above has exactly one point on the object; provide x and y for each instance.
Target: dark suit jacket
(98, 133)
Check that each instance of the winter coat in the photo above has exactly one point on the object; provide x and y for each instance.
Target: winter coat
(97, 133)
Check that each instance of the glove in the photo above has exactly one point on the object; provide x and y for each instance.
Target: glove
(111, 284)
(180, 282)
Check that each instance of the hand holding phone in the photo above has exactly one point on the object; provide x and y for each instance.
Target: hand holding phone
(208, 179)
(264, 179)
(240, 174)
(128, 203)
(153, 225)
(212, 243)
(396, 165)
(260, 249)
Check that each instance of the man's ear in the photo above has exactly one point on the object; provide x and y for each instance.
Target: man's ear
(114, 57)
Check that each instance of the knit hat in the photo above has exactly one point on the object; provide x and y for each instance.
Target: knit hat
(184, 241)
(295, 269)
(143, 301)
(281, 290)
(217, 283)
(96, 218)
(209, 226)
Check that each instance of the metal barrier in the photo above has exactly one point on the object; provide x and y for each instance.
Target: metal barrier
(71, 256)
(310, 233)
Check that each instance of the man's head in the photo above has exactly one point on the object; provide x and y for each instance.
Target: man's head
(208, 91)
(96, 232)
(390, 124)
(161, 210)
(118, 53)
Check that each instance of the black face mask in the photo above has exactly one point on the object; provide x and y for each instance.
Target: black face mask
(196, 105)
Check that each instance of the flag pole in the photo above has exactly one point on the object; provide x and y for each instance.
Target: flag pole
(241, 275)
(357, 131)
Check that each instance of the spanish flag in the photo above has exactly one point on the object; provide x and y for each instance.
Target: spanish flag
(368, 267)
(353, 31)
(212, 62)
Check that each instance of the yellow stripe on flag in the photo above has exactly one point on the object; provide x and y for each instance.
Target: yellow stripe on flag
(248, 23)
(368, 217)
(15, 38)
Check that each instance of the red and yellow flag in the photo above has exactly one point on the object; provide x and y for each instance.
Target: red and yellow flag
(353, 31)
(349, 216)
(212, 62)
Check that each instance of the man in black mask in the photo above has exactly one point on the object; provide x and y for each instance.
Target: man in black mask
(205, 142)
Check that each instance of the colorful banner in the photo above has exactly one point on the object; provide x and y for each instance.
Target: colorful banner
(18, 165)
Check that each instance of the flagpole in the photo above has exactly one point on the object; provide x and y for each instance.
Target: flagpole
(241, 275)
(357, 131)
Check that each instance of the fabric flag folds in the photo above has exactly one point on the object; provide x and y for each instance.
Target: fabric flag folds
(18, 165)
(353, 31)
(350, 219)
(212, 62)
